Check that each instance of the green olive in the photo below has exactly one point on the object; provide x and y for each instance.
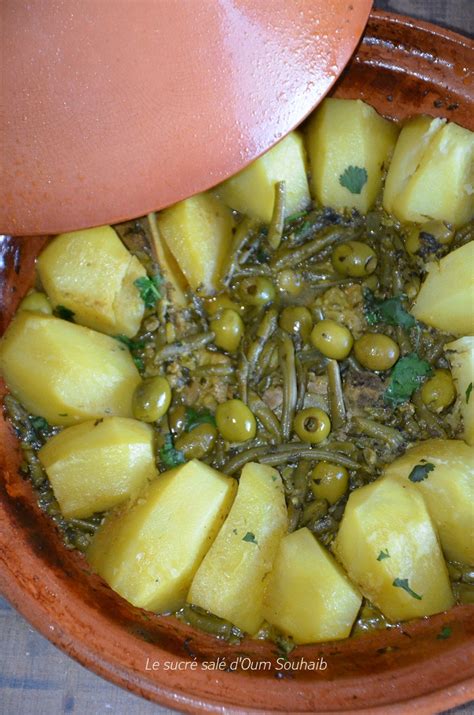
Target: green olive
(354, 259)
(177, 419)
(235, 421)
(197, 443)
(329, 481)
(376, 351)
(332, 339)
(439, 392)
(296, 320)
(312, 425)
(36, 302)
(151, 399)
(425, 238)
(289, 282)
(220, 303)
(228, 328)
(256, 290)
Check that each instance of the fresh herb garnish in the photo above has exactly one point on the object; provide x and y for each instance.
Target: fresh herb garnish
(354, 179)
(131, 344)
(383, 555)
(39, 423)
(194, 418)
(169, 455)
(403, 583)
(389, 311)
(149, 288)
(406, 377)
(445, 632)
(64, 313)
(250, 538)
(420, 472)
(468, 392)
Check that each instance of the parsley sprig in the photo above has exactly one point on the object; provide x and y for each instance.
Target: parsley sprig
(403, 583)
(149, 289)
(194, 418)
(354, 178)
(389, 311)
(420, 472)
(407, 376)
(169, 455)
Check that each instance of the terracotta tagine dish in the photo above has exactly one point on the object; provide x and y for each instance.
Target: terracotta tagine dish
(401, 67)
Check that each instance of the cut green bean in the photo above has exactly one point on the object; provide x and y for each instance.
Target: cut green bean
(275, 230)
(290, 394)
(336, 395)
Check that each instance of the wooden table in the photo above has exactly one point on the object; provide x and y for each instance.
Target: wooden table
(38, 679)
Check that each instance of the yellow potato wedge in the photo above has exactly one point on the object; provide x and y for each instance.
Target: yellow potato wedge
(148, 550)
(65, 372)
(446, 482)
(230, 580)
(91, 273)
(198, 233)
(252, 191)
(389, 548)
(446, 297)
(308, 596)
(345, 138)
(98, 464)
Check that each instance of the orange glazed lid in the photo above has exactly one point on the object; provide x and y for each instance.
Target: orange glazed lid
(115, 109)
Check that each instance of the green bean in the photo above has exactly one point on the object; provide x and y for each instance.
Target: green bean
(291, 257)
(214, 370)
(313, 511)
(380, 432)
(83, 525)
(300, 479)
(294, 514)
(346, 447)
(265, 360)
(265, 415)
(275, 230)
(209, 623)
(264, 331)
(260, 269)
(313, 359)
(243, 377)
(286, 352)
(301, 380)
(289, 452)
(336, 395)
(183, 347)
(246, 229)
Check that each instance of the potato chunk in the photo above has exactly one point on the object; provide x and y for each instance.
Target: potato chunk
(448, 490)
(149, 550)
(198, 233)
(98, 464)
(230, 580)
(252, 190)
(460, 354)
(446, 296)
(91, 273)
(389, 548)
(308, 596)
(345, 138)
(410, 148)
(65, 372)
(442, 185)
(169, 267)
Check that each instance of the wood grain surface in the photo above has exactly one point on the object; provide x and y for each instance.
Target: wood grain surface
(38, 679)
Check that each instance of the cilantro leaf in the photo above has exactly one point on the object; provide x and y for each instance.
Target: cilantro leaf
(64, 313)
(383, 555)
(468, 392)
(354, 179)
(389, 311)
(444, 633)
(194, 418)
(149, 289)
(169, 455)
(406, 377)
(420, 472)
(403, 583)
(250, 537)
